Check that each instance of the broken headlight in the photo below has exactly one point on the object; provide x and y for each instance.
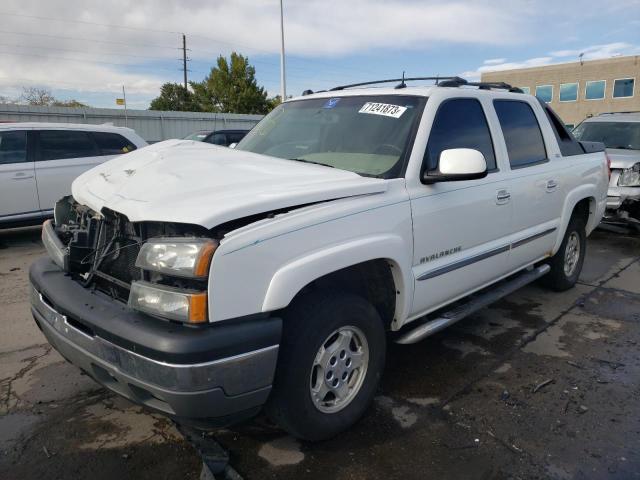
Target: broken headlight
(168, 302)
(181, 257)
(630, 177)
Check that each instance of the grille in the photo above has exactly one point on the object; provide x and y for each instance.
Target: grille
(121, 263)
(119, 246)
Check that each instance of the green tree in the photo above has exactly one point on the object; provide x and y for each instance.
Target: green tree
(173, 96)
(231, 87)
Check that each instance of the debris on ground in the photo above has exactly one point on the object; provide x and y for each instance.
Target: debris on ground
(542, 385)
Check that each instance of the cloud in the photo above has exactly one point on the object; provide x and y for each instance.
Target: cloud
(592, 52)
(597, 51)
(81, 52)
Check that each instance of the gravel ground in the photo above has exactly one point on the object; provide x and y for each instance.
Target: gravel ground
(539, 385)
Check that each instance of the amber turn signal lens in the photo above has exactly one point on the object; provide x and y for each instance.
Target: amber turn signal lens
(198, 308)
(201, 268)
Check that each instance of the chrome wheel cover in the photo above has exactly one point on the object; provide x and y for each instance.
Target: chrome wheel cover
(339, 369)
(571, 254)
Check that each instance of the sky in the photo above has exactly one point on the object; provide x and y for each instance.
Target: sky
(88, 49)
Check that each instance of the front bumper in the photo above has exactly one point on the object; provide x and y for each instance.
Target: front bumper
(617, 196)
(208, 377)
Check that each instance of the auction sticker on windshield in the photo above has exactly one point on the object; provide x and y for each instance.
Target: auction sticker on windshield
(384, 109)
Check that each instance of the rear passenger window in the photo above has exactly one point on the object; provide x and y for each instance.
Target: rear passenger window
(459, 123)
(112, 143)
(522, 134)
(568, 145)
(13, 147)
(57, 144)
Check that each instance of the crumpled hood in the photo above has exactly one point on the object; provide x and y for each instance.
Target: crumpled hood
(623, 158)
(191, 182)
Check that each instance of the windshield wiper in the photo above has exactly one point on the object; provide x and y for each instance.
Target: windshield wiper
(311, 161)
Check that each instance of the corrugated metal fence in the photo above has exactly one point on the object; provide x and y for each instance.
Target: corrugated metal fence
(151, 125)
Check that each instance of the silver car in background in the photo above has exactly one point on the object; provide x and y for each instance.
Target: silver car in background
(620, 132)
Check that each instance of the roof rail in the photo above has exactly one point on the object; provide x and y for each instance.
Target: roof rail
(391, 80)
(616, 113)
(461, 82)
(439, 81)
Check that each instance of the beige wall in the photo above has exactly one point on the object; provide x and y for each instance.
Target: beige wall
(574, 112)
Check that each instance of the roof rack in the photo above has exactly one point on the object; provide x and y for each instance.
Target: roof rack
(461, 82)
(616, 113)
(402, 81)
(439, 81)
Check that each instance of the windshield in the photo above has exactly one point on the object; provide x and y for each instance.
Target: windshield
(367, 135)
(623, 135)
(197, 136)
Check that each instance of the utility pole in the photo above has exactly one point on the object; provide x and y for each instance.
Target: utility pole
(283, 82)
(184, 59)
(124, 97)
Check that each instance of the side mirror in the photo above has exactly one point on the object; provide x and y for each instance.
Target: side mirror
(233, 145)
(457, 164)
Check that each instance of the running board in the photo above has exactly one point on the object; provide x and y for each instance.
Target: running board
(475, 303)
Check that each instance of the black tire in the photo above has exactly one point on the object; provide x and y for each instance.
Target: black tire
(557, 279)
(308, 323)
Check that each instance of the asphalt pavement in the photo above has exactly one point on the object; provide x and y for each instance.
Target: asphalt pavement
(538, 385)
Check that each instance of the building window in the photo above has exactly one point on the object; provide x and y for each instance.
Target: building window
(594, 90)
(526, 90)
(544, 92)
(623, 87)
(568, 92)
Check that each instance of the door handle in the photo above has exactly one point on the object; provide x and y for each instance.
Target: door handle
(502, 197)
(551, 185)
(21, 176)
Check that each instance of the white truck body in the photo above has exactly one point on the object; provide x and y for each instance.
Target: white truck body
(399, 220)
(206, 282)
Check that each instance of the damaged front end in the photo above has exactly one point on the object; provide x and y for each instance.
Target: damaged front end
(623, 200)
(102, 295)
(100, 249)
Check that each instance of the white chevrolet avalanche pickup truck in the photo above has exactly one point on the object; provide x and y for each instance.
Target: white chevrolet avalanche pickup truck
(209, 283)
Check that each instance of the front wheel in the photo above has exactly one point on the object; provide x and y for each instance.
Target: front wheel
(330, 362)
(566, 264)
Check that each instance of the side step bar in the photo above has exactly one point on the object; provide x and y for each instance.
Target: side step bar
(476, 302)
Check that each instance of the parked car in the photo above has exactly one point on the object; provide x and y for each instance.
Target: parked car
(620, 132)
(218, 137)
(38, 162)
(274, 274)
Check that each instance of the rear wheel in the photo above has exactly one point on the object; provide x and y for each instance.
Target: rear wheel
(566, 264)
(329, 367)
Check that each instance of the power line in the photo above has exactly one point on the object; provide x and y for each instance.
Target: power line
(88, 61)
(83, 52)
(70, 20)
(83, 39)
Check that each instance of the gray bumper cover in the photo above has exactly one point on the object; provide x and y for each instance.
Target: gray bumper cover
(213, 393)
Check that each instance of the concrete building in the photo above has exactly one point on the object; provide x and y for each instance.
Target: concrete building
(578, 90)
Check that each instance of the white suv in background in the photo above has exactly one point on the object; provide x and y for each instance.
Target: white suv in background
(38, 162)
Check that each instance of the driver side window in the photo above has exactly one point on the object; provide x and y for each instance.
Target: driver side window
(459, 123)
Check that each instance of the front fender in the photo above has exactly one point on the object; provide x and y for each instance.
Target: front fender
(293, 276)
